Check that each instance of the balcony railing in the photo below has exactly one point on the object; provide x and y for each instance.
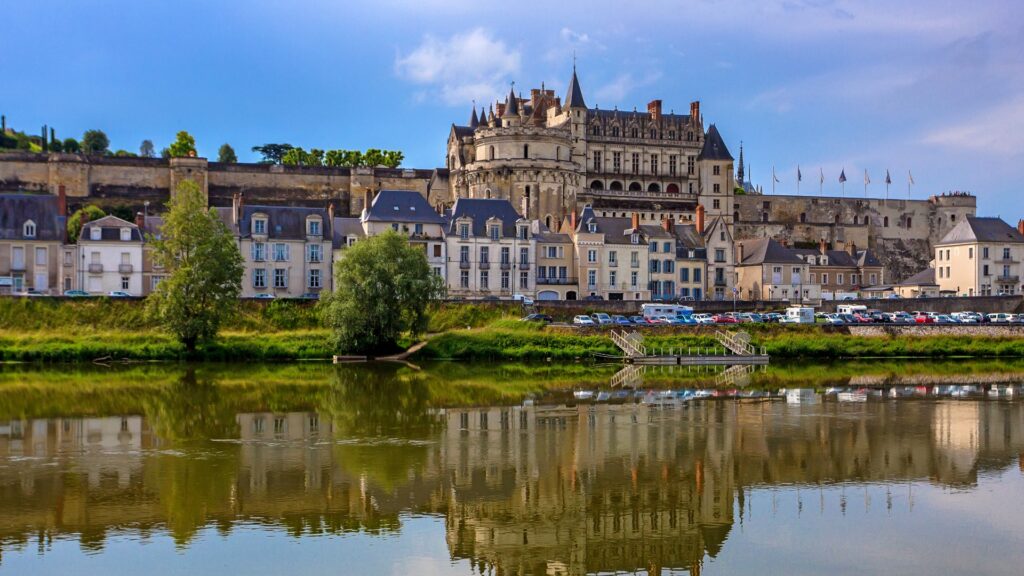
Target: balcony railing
(95, 268)
(613, 264)
(1008, 279)
(18, 266)
(505, 264)
(124, 268)
(484, 265)
(562, 281)
(719, 281)
(464, 264)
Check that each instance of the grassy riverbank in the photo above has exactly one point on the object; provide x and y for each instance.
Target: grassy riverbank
(41, 330)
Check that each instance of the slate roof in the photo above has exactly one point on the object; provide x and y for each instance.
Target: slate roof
(402, 206)
(688, 237)
(979, 229)
(574, 96)
(656, 232)
(462, 131)
(617, 230)
(867, 258)
(511, 104)
(836, 258)
(714, 146)
(481, 210)
(345, 227)
(767, 251)
(625, 115)
(111, 230)
(553, 238)
(16, 209)
(926, 276)
(283, 222)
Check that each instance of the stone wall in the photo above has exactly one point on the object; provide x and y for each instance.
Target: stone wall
(130, 182)
(968, 330)
(981, 304)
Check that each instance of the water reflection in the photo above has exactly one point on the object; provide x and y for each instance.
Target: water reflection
(522, 489)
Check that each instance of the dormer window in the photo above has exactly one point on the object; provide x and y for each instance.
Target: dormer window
(259, 226)
(592, 227)
(494, 231)
(522, 232)
(29, 229)
(126, 234)
(634, 238)
(95, 233)
(464, 231)
(313, 228)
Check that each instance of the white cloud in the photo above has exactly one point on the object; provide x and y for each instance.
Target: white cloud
(616, 91)
(464, 67)
(998, 130)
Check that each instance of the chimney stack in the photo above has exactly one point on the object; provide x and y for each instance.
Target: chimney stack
(636, 220)
(367, 199)
(140, 221)
(739, 252)
(666, 223)
(1020, 227)
(822, 246)
(62, 201)
(572, 221)
(700, 218)
(695, 111)
(851, 247)
(654, 109)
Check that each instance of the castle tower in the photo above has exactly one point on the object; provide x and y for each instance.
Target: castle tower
(740, 176)
(576, 108)
(716, 181)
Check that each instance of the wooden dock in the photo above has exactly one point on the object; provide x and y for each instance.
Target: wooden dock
(736, 350)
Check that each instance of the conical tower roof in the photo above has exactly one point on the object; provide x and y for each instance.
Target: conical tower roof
(511, 104)
(574, 97)
(714, 146)
(473, 121)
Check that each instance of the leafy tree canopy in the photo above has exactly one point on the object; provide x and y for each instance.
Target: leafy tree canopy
(184, 145)
(71, 145)
(95, 142)
(203, 286)
(226, 154)
(382, 289)
(146, 149)
(343, 158)
(75, 220)
(272, 153)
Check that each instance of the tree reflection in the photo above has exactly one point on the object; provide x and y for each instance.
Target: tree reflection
(192, 408)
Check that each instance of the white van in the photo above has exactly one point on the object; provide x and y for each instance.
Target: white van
(670, 310)
(851, 309)
(799, 315)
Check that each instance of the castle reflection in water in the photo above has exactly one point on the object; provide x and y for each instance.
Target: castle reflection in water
(522, 489)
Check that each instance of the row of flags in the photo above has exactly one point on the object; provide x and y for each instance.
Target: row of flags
(842, 180)
(842, 176)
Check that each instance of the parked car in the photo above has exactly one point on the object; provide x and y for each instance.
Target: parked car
(685, 299)
(863, 318)
(964, 317)
(751, 317)
(536, 318)
(923, 318)
(724, 319)
(526, 300)
(310, 296)
(33, 292)
(593, 298)
(119, 294)
(77, 294)
(835, 319)
(1000, 317)
(582, 320)
(264, 296)
(944, 319)
(703, 318)
(620, 320)
(774, 317)
(639, 320)
(601, 319)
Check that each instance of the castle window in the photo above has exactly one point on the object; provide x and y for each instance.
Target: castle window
(885, 222)
(616, 162)
(716, 170)
(615, 131)
(29, 229)
(672, 165)
(803, 217)
(654, 134)
(952, 217)
(597, 185)
(634, 133)
(717, 188)
(597, 161)
(837, 218)
(764, 216)
(909, 221)
(689, 165)
(313, 228)
(689, 136)
(126, 234)
(490, 155)
(654, 163)
(615, 185)
(526, 150)
(558, 152)
(716, 204)
(671, 134)
(636, 163)
(736, 216)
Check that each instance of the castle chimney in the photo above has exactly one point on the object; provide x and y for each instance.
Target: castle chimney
(62, 201)
(739, 252)
(700, 218)
(140, 221)
(851, 248)
(666, 223)
(636, 220)
(572, 220)
(367, 199)
(695, 111)
(654, 109)
(1020, 226)
(822, 246)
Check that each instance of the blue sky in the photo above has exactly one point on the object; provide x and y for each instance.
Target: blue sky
(929, 86)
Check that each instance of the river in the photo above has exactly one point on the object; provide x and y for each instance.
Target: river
(855, 468)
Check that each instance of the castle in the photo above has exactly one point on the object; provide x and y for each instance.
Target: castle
(550, 158)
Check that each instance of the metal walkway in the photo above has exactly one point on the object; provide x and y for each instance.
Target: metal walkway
(736, 351)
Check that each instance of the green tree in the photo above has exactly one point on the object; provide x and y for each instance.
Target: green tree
(95, 142)
(299, 157)
(75, 220)
(226, 154)
(184, 145)
(146, 149)
(56, 146)
(71, 145)
(206, 269)
(272, 153)
(382, 289)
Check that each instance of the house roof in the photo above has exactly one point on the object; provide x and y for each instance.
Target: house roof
(656, 232)
(924, 277)
(480, 210)
(714, 146)
(688, 237)
(980, 229)
(867, 258)
(836, 258)
(345, 227)
(402, 206)
(110, 227)
(283, 222)
(16, 209)
(767, 251)
(617, 230)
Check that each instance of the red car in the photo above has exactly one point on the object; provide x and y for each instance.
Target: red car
(924, 319)
(863, 318)
(724, 319)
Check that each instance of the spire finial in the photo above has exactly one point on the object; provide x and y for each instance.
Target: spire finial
(573, 60)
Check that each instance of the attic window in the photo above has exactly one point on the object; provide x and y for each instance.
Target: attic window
(592, 227)
(396, 208)
(95, 233)
(412, 208)
(635, 238)
(126, 234)
(29, 229)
